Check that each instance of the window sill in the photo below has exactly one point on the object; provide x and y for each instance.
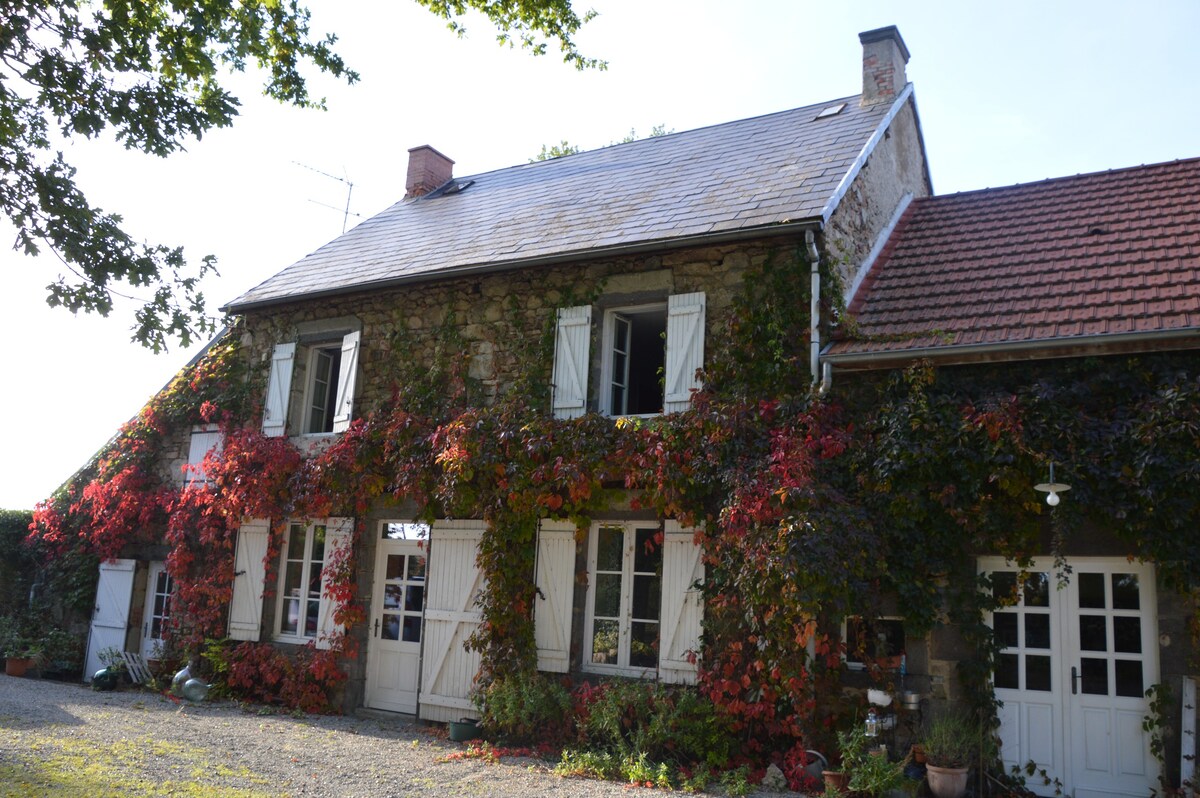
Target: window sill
(620, 670)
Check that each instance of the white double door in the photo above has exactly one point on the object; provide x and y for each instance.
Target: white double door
(1074, 665)
(398, 603)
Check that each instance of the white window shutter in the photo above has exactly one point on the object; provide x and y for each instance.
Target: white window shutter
(339, 533)
(682, 606)
(571, 354)
(685, 349)
(555, 581)
(344, 407)
(245, 609)
(205, 438)
(279, 390)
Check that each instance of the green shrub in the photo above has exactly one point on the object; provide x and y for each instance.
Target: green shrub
(954, 739)
(530, 709)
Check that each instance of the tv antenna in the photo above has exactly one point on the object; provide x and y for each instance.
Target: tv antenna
(346, 212)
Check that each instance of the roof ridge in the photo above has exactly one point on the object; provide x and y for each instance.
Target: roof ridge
(1063, 179)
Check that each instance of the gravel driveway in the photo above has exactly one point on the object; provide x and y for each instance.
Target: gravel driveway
(60, 739)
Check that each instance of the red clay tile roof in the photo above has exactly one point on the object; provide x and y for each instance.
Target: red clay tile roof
(1039, 265)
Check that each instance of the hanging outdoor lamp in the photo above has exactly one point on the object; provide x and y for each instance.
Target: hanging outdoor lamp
(1052, 489)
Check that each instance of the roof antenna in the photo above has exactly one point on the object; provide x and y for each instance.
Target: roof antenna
(346, 212)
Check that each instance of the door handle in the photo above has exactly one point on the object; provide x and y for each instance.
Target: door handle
(377, 627)
(1074, 679)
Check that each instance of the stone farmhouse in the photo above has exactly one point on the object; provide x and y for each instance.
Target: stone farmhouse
(631, 258)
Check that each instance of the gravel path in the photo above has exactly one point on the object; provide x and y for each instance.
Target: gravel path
(60, 739)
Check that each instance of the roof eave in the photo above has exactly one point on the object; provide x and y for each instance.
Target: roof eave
(780, 229)
(1041, 349)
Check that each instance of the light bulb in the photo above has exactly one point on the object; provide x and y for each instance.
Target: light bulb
(1052, 499)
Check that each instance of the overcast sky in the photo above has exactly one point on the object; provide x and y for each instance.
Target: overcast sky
(1007, 93)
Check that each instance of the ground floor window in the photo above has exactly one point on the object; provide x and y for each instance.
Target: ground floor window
(625, 568)
(303, 558)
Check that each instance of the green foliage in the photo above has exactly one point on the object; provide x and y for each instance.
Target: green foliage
(871, 774)
(560, 150)
(956, 739)
(526, 709)
(152, 73)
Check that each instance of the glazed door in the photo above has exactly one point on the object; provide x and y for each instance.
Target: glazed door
(397, 614)
(159, 586)
(1113, 646)
(1072, 672)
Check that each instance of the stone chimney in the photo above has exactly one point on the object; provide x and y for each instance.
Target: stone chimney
(427, 169)
(884, 57)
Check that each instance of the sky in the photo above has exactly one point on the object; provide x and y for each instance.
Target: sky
(1006, 92)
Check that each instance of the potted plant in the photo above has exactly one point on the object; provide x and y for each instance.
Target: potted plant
(952, 742)
(864, 772)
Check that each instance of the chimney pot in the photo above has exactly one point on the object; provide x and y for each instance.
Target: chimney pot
(427, 169)
(884, 59)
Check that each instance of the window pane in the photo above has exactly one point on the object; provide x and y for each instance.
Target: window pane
(1037, 590)
(1125, 592)
(1007, 674)
(296, 542)
(1093, 634)
(291, 578)
(604, 642)
(412, 629)
(1129, 678)
(1095, 676)
(416, 567)
(395, 566)
(414, 599)
(391, 596)
(1037, 631)
(643, 652)
(1037, 673)
(1127, 635)
(647, 551)
(391, 627)
(1091, 591)
(1003, 625)
(318, 549)
(608, 548)
(314, 581)
(608, 596)
(1004, 585)
(159, 603)
(290, 623)
(314, 615)
(646, 598)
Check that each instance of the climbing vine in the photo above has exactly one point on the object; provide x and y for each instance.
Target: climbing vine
(807, 509)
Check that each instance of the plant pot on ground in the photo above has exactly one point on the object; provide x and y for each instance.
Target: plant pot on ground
(953, 742)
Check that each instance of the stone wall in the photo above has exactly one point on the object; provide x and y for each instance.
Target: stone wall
(496, 316)
(896, 167)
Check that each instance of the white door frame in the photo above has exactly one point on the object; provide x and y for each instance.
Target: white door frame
(151, 644)
(397, 617)
(1086, 734)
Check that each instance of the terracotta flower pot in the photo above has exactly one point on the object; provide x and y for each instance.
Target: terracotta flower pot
(17, 666)
(946, 782)
(836, 779)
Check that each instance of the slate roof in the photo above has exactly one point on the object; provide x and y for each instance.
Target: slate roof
(1113, 255)
(719, 180)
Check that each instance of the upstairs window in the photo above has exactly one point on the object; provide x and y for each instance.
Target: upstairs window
(326, 386)
(633, 371)
(648, 362)
(324, 367)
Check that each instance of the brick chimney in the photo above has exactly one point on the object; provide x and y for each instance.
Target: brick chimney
(884, 57)
(427, 169)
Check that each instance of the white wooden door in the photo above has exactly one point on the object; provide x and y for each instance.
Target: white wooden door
(110, 618)
(1072, 672)
(1113, 646)
(157, 612)
(397, 610)
(448, 669)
